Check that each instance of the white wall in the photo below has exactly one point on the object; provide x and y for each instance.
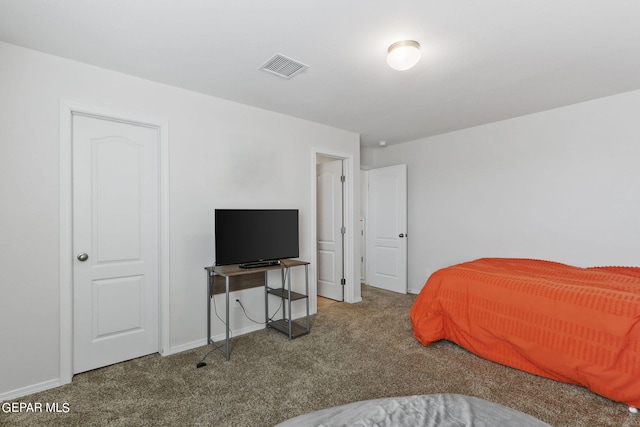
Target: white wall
(222, 155)
(561, 185)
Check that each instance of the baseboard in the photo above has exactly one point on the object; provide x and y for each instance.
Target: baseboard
(216, 338)
(46, 385)
(35, 388)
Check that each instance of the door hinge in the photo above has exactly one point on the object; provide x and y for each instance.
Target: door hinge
(343, 281)
(343, 179)
(343, 230)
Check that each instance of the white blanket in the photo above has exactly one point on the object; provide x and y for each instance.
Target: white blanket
(434, 410)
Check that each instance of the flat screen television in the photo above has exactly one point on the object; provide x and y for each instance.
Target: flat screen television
(254, 236)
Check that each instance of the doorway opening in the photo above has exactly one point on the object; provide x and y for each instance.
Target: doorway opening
(330, 227)
(333, 259)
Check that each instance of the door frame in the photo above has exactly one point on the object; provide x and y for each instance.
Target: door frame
(350, 294)
(67, 109)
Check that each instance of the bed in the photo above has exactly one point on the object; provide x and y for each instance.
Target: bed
(431, 410)
(575, 325)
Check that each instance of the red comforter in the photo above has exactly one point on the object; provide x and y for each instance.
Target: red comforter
(576, 325)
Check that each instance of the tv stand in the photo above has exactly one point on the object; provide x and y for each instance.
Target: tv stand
(259, 264)
(286, 325)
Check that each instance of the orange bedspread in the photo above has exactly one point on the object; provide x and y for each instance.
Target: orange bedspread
(576, 325)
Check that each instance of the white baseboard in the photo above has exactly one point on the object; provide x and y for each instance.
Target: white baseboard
(216, 338)
(184, 347)
(35, 388)
(46, 385)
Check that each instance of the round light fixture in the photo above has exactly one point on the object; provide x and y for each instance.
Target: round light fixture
(403, 55)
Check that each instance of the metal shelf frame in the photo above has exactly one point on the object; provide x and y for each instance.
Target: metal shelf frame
(287, 325)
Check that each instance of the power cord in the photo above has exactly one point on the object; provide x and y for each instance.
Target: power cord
(284, 278)
(202, 362)
(255, 321)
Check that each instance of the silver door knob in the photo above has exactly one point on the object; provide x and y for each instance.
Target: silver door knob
(83, 256)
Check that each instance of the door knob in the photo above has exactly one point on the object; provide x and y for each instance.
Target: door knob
(83, 256)
(401, 235)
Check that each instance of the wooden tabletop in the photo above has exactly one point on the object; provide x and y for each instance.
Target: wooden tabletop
(235, 270)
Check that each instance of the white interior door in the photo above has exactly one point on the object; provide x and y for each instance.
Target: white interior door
(115, 240)
(387, 228)
(330, 220)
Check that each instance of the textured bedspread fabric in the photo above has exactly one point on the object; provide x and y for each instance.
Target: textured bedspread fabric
(432, 410)
(571, 324)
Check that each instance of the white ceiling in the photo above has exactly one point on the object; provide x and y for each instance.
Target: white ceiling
(483, 60)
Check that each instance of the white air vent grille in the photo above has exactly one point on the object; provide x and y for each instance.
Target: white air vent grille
(282, 66)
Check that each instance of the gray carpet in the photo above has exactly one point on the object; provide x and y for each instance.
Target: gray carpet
(354, 352)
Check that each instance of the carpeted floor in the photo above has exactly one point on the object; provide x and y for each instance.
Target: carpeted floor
(354, 352)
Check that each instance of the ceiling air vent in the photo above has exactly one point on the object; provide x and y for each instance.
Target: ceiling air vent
(282, 66)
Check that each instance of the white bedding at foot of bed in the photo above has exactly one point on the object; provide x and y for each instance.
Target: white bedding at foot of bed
(433, 410)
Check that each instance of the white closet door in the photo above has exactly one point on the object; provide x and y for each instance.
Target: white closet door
(115, 228)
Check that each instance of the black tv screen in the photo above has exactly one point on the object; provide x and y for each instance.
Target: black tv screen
(253, 235)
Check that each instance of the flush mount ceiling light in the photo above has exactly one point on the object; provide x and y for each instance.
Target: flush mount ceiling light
(403, 55)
